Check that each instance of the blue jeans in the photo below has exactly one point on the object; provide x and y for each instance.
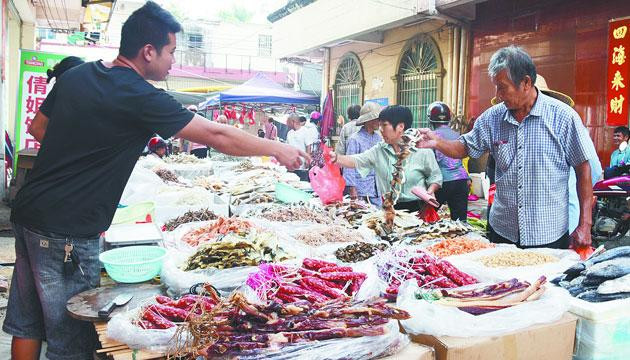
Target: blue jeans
(40, 290)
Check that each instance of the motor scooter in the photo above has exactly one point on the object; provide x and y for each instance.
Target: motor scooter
(611, 212)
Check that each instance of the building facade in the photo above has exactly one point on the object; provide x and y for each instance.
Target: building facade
(411, 53)
(568, 41)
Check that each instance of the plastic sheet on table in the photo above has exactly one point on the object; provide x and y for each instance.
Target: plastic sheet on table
(469, 263)
(439, 320)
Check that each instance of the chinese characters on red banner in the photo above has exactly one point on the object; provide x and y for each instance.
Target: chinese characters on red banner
(618, 82)
(34, 91)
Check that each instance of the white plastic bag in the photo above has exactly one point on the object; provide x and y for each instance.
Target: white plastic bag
(121, 328)
(179, 281)
(439, 320)
(141, 186)
(469, 263)
(360, 348)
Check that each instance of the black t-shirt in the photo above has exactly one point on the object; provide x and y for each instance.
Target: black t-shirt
(100, 120)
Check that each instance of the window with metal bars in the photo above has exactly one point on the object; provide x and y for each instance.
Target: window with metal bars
(419, 78)
(348, 84)
(264, 45)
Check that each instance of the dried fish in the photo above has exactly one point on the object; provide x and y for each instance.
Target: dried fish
(234, 251)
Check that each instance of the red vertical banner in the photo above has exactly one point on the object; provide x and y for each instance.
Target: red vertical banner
(618, 80)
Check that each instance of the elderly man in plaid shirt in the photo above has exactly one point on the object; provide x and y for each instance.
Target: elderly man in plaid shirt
(535, 140)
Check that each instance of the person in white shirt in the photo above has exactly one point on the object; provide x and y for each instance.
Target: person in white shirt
(298, 137)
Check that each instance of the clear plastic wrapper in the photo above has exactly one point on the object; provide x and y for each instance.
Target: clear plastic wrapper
(122, 329)
(225, 280)
(439, 320)
(360, 348)
(141, 186)
(179, 281)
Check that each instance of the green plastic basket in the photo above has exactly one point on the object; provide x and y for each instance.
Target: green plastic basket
(133, 264)
(288, 194)
(133, 213)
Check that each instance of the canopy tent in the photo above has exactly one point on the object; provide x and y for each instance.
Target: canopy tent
(261, 90)
(187, 98)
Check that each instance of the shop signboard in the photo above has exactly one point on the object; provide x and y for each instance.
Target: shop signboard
(380, 101)
(32, 90)
(618, 80)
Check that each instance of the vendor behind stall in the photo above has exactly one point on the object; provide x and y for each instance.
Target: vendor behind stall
(522, 133)
(89, 150)
(420, 168)
(157, 148)
(454, 191)
(360, 142)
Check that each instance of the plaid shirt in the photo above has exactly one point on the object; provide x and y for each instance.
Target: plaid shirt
(533, 159)
(357, 144)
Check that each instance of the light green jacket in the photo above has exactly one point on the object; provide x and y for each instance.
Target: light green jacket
(420, 168)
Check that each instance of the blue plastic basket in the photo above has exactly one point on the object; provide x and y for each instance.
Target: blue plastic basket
(133, 264)
(288, 194)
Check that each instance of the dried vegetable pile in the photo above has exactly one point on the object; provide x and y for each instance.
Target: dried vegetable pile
(458, 246)
(516, 258)
(359, 252)
(235, 251)
(166, 175)
(188, 217)
(428, 272)
(237, 327)
(603, 277)
(323, 235)
(211, 231)
(316, 281)
(489, 298)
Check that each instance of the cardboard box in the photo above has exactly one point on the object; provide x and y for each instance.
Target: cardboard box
(541, 342)
(413, 351)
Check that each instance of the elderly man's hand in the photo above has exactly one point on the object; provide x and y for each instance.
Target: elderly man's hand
(428, 139)
(291, 157)
(581, 236)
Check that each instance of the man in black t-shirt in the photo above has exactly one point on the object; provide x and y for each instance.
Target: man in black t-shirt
(101, 115)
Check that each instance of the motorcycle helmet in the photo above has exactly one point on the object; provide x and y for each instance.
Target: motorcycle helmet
(438, 113)
(316, 116)
(156, 143)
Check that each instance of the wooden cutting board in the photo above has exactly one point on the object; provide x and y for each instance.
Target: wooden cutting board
(85, 305)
